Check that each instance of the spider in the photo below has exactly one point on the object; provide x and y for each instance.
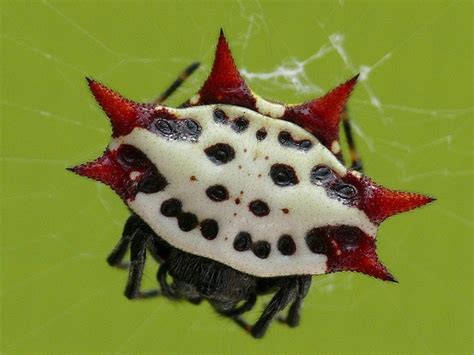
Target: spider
(237, 197)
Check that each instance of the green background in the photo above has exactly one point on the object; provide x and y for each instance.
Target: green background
(59, 296)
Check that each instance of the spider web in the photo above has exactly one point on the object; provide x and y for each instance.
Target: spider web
(389, 157)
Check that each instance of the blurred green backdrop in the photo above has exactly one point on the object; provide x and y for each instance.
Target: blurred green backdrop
(413, 115)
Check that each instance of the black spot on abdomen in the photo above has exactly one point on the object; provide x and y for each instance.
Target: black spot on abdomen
(220, 116)
(321, 175)
(209, 229)
(259, 208)
(132, 157)
(217, 193)
(164, 126)
(191, 127)
(345, 191)
(220, 153)
(176, 129)
(242, 241)
(334, 185)
(285, 138)
(187, 221)
(286, 245)
(283, 175)
(261, 134)
(240, 124)
(171, 207)
(316, 240)
(151, 182)
(261, 249)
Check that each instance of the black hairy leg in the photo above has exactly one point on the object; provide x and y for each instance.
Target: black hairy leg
(138, 237)
(117, 255)
(166, 289)
(177, 83)
(172, 291)
(356, 162)
(293, 316)
(287, 292)
(138, 246)
(236, 311)
(183, 276)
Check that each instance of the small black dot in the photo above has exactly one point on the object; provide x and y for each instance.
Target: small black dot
(283, 175)
(316, 240)
(220, 116)
(320, 174)
(284, 138)
(348, 237)
(151, 182)
(220, 153)
(209, 229)
(242, 241)
(187, 221)
(286, 245)
(217, 193)
(240, 124)
(164, 126)
(261, 249)
(171, 207)
(177, 129)
(131, 156)
(345, 191)
(305, 144)
(259, 208)
(261, 134)
(192, 126)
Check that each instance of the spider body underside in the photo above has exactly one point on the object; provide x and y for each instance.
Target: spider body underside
(194, 278)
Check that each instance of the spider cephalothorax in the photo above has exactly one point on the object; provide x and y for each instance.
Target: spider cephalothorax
(236, 196)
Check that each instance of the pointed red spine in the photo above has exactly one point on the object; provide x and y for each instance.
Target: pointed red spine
(380, 203)
(109, 171)
(114, 168)
(323, 115)
(225, 84)
(124, 114)
(348, 248)
(362, 257)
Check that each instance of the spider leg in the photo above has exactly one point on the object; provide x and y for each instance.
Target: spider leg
(115, 258)
(167, 289)
(177, 83)
(195, 301)
(237, 311)
(356, 163)
(158, 248)
(137, 236)
(281, 299)
(278, 302)
(242, 323)
(293, 316)
(138, 247)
